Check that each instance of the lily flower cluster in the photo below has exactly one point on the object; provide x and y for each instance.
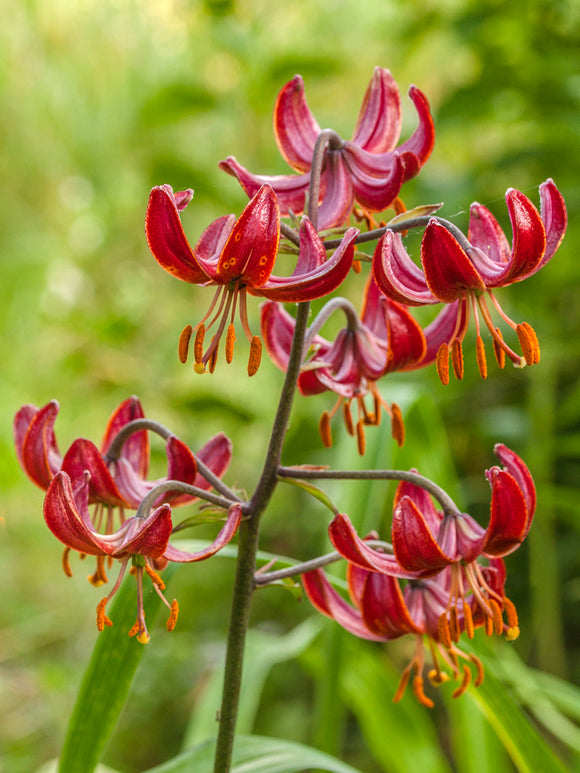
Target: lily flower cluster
(113, 478)
(453, 570)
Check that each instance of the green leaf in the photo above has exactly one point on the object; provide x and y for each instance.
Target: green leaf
(254, 754)
(314, 491)
(423, 210)
(107, 681)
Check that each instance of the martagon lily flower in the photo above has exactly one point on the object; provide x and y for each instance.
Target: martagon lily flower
(369, 169)
(114, 484)
(464, 271)
(238, 257)
(384, 339)
(382, 611)
(427, 541)
(143, 542)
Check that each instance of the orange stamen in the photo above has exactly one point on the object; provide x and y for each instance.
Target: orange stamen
(134, 630)
(464, 683)
(529, 343)
(488, 626)
(155, 578)
(347, 416)
(65, 563)
(457, 358)
(325, 430)
(184, 339)
(480, 672)
(172, 619)
(454, 628)
(361, 442)
(497, 349)
(497, 618)
(404, 681)
(356, 266)
(230, 341)
(468, 619)
(99, 577)
(511, 614)
(255, 355)
(397, 425)
(444, 632)
(419, 694)
(198, 344)
(480, 356)
(102, 619)
(212, 360)
(442, 364)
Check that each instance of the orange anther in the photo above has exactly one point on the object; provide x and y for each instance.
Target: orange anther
(497, 618)
(325, 430)
(347, 416)
(230, 341)
(468, 620)
(397, 425)
(442, 363)
(488, 624)
(211, 363)
(255, 356)
(480, 356)
(419, 694)
(65, 563)
(99, 577)
(437, 677)
(184, 339)
(480, 672)
(155, 578)
(443, 631)
(399, 206)
(172, 619)
(497, 350)
(513, 630)
(464, 683)
(134, 630)
(454, 628)
(361, 441)
(529, 343)
(457, 358)
(404, 681)
(102, 619)
(198, 344)
(356, 266)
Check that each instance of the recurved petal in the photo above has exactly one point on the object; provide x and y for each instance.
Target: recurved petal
(486, 234)
(35, 441)
(167, 240)
(420, 143)
(227, 532)
(311, 252)
(277, 327)
(383, 607)
(509, 523)
(142, 536)
(313, 284)
(326, 600)
(181, 465)
(67, 516)
(407, 344)
(136, 448)
(554, 217)
(422, 501)
(295, 128)
(345, 539)
(338, 197)
(415, 547)
(448, 270)
(377, 185)
(519, 470)
(252, 246)
(397, 275)
(83, 456)
(378, 125)
(215, 454)
(290, 188)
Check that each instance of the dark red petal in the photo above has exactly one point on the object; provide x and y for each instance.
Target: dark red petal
(290, 188)
(143, 536)
(407, 343)
(167, 240)
(325, 599)
(35, 441)
(415, 546)
(508, 523)
(181, 465)
(383, 607)
(295, 128)
(136, 448)
(82, 456)
(376, 185)
(338, 199)
(356, 579)
(277, 327)
(450, 323)
(311, 253)
(345, 539)
(518, 469)
(448, 270)
(421, 142)
(554, 217)
(227, 532)
(66, 514)
(215, 454)
(422, 501)
(252, 246)
(397, 275)
(486, 234)
(378, 125)
(314, 284)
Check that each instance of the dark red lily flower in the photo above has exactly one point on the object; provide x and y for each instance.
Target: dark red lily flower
(384, 339)
(117, 484)
(383, 611)
(144, 541)
(466, 272)
(238, 257)
(426, 541)
(369, 169)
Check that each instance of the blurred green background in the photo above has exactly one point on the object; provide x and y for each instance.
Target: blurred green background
(102, 100)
